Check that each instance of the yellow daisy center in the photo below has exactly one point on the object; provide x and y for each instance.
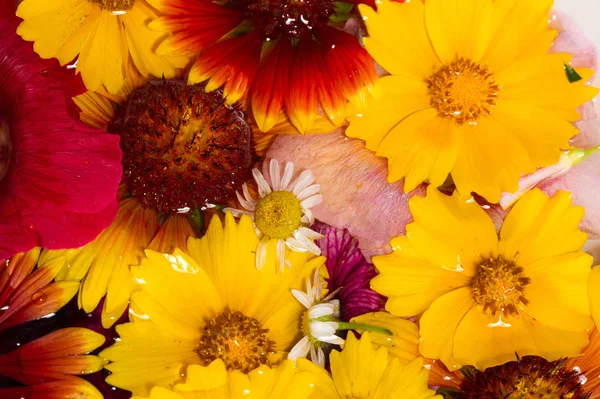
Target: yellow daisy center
(114, 5)
(463, 90)
(278, 214)
(499, 286)
(5, 148)
(238, 340)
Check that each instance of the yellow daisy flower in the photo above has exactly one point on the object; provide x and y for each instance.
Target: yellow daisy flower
(215, 382)
(101, 34)
(362, 371)
(473, 92)
(485, 296)
(213, 304)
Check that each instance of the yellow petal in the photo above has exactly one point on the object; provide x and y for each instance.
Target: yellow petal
(405, 381)
(96, 110)
(324, 387)
(538, 227)
(594, 293)
(439, 324)
(400, 97)
(459, 28)
(389, 27)
(201, 378)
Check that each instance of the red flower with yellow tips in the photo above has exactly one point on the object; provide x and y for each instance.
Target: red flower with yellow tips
(279, 54)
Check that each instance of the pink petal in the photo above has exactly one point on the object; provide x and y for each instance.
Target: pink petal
(356, 195)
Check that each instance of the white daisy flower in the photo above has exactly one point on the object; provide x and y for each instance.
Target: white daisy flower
(319, 322)
(283, 211)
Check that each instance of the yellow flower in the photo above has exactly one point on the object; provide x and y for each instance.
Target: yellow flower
(213, 304)
(472, 92)
(483, 296)
(214, 382)
(361, 371)
(106, 36)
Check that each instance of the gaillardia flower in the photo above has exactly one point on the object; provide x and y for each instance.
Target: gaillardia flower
(282, 214)
(58, 177)
(361, 371)
(183, 150)
(109, 38)
(485, 296)
(47, 366)
(473, 92)
(279, 54)
(209, 307)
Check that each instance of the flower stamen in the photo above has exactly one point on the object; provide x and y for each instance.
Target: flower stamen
(278, 215)
(114, 5)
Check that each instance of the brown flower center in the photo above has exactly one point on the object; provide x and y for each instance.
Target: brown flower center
(114, 5)
(238, 340)
(182, 147)
(463, 91)
(499, 286)
(289, 18)
(5, 147)
(527, 378)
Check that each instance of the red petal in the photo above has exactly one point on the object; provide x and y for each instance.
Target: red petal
(271, 85)
(350, 66)
(36, 297)
(73, 388)
(232, 63)
(14, 272)
(54, 356)
(196, 24)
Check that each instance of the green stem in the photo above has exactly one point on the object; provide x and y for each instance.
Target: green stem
(366, 327)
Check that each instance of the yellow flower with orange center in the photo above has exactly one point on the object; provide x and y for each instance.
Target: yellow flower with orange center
(473, 93)
(484, 296)
(109, 38)
(211, 309)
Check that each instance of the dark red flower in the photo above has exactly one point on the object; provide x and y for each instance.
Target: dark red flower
(349, 272)
(58, 176)
(280, 54)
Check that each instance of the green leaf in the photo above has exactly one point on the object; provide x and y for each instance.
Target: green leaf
(449, 393)
(341, 11)
(197, 221)
(572, 74)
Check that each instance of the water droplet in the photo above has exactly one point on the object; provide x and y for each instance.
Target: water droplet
(30, 226)
(39, 298)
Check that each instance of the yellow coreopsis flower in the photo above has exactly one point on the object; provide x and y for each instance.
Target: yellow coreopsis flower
(485, 296)
(362, 371)
(473, 92)
(102, 34)
(213, 305)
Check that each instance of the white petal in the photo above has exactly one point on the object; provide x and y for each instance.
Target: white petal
(287, 176)
(312, 201)
(308, 191)
(238, 212)
(306, 243)
(251, 206)
(280, 255)
(320, 360)
(261, 252)
(308, 217)
(322, 329)
(275, 173)
(295, 245)
(305, 179)
(263, 186)
(308, 233)
(247, 193)
(302, 298)
(320, 310)
(301, 349)
(332, 339)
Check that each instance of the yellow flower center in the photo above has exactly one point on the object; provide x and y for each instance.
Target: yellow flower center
(278, 214)
(238, 340)
(114, 5)
(463, 90)
(5, 148)
(499, 286)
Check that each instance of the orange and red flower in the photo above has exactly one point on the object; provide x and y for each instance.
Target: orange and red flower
(278, 54)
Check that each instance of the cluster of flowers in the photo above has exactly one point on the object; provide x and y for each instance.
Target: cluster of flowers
(297, 199)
